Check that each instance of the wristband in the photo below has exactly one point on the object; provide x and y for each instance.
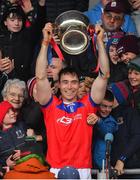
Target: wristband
(46, 43)
(104, 76)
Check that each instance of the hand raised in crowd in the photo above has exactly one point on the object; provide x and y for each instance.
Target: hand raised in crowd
(135, 4)
(26, 6)
(92, 119)
(6, 65)
(119, 167)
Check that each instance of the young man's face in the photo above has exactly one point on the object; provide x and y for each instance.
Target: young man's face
(15, 96)
(113, 54)
(13, 24)
(69, 85)
(128, 56)
(105, 108)
(10, 117)
(54, 68)
(82, 90)
(112, 21)
(134, 77)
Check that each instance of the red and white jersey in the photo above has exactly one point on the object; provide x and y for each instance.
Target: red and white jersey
(69, 137)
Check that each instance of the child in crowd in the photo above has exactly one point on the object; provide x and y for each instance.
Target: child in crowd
(128, 48)
(118, 70)
(16, 141)
(105, 124)
(85, 85)
(128, 91)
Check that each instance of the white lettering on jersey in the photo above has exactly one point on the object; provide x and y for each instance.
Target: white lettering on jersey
(67, 120)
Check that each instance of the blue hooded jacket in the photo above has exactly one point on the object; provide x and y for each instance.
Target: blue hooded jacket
(104, 126)
(95, 14)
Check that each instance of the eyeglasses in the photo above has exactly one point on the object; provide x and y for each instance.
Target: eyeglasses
(115, 18)
(106, 106)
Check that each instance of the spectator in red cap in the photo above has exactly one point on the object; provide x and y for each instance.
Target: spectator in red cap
(128, 48)
(6, 110)
(15, 92)
(16, 140)
(8, 117)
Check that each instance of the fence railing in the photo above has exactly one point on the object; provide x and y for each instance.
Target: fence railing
(102, 175)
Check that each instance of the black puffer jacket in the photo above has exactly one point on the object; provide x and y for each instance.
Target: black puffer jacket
(56, 7)
(20, 46)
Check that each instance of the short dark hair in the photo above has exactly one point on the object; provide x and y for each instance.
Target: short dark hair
(109, 96)
(68, 70)
(14, 11)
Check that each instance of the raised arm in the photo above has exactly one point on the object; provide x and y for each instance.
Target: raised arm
(44, 91)
(99, 85)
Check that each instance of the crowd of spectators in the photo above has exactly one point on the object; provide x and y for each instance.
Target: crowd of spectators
(56, 112)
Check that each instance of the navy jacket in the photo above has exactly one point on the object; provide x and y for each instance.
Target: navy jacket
(126, 144)
(11, 139)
